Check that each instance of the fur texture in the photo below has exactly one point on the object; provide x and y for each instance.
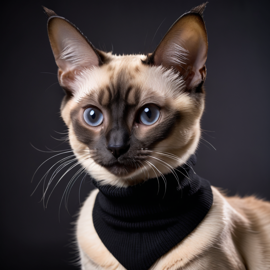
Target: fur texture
(147, 85)
(235, 233)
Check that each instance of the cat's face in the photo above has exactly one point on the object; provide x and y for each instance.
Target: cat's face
(132, 117)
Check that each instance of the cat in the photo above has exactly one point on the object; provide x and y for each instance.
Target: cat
(134, 126)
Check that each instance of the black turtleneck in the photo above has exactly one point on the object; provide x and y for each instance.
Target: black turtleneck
(140, 223)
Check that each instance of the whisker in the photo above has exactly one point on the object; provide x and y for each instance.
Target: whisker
(161, 174)
(85, 174)
(69, 186)
(73, 166)
(145, 169)
(51, 86)
(79, 173)
(156, 178)
(56, 151)
(67, 190)
(47, 161)
(56, 171)
(64, 139)
(169, 167)
(206, 133)
(176, 158)
(65, 158)
(62, 133)
(51, 151)
(208, 143)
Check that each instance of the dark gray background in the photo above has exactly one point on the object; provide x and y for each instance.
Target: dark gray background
(236, 120)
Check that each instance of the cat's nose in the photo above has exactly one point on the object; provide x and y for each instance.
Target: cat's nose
(118, 150)
(118, 141)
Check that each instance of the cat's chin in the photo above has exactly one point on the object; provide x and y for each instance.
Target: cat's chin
(119, 169)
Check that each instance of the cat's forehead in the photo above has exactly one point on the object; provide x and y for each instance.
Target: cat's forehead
(119, 62)
(126, 77)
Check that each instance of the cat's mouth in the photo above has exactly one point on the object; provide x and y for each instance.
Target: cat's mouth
(119, 169)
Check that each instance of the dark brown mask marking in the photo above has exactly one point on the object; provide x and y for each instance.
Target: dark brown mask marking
(117, 144)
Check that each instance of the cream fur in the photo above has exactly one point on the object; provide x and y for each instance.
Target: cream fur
(236, 232)
(156, 81)
(226, 239)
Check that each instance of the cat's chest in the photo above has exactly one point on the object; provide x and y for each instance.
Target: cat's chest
(94, 254)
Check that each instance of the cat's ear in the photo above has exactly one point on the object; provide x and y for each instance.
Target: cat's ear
(71, 49)
(184, 48)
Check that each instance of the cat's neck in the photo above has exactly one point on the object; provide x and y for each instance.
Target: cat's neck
(152, 216)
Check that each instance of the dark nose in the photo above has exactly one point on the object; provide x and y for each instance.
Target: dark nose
(118, 141)
(118, 150)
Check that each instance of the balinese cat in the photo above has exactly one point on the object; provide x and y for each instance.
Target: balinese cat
(134, 125)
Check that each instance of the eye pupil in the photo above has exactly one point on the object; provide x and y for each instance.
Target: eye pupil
(148, 112)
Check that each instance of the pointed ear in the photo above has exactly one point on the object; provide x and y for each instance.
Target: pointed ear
(71, 49)
(184, 48)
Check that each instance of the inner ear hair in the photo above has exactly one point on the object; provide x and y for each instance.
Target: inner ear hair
(71, 49)
(184, 48)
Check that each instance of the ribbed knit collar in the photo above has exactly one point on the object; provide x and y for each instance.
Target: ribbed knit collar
(140, 223)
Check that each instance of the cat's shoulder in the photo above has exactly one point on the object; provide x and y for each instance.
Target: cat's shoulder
(209, 234)
(236, 232)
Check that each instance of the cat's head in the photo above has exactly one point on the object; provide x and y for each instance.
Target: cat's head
(132, 117)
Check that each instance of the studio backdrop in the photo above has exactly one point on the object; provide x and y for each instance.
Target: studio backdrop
(234, 149)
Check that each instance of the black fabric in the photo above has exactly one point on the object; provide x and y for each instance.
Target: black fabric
(140, 223)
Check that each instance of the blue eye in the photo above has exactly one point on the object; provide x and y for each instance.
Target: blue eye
(93, 116)
(149, 114)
